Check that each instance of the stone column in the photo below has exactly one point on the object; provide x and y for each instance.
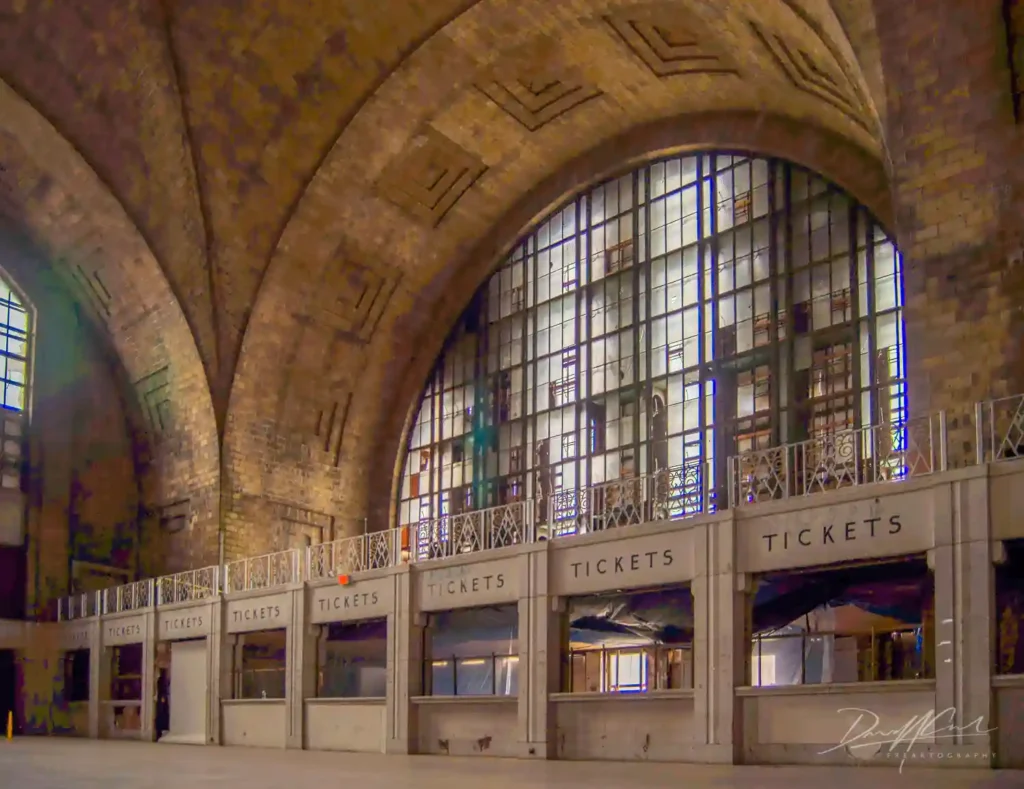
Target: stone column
(721, 633)
(99, 675)
(229, 654)
(148, 709)
(404, 667)
(543, 633)
(300, 668)
(962, 566)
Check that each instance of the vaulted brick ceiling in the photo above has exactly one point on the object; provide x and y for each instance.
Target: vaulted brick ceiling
(277, 208)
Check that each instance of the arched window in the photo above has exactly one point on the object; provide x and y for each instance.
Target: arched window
(694, 309)
(15, 352)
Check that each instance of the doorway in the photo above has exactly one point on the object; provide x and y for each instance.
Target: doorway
(181, 692)
(8, 688)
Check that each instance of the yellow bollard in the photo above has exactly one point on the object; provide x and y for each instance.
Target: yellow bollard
(10, 725)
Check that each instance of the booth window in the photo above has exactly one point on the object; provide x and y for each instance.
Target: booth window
(472, 652)
(629, 641)
(259, 665)
(1010, 610)
(76, 675)
(126, 673)
(352, 660)
(864, 622)
(126, 687)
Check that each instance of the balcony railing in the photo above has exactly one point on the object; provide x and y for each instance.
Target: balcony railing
(468, 532)
(881, 453)
(353, 555)
(1000, 429)
(189, 586)
(130, 597)
(262, 572)
(668, 494)
(77, 606)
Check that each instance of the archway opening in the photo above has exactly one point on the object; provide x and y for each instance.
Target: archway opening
(696, 309)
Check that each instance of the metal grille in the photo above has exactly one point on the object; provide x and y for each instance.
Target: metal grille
(882, 453)
(188, 586)
(371, 551)
(262, 572)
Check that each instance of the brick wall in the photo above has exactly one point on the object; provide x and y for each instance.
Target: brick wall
(956, 175)
(83, 477)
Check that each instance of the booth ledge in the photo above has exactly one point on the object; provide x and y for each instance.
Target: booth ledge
(270, 702)
(464, 699)
(655, 695)
(888, 686)
(352, 701)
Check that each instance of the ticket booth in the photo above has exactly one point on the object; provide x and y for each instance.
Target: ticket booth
(126, 667)
(75, 697)
(345, 705)
(254, 709)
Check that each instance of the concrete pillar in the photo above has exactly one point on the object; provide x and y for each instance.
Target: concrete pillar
(216, 657)
(148, 709)
(962, 566)
(229, 653)
(99, 676)
(721, 633)
(300, 668)
(404, 666)
(543, 633)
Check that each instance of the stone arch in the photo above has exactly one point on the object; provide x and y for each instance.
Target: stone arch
(853, 169)
(83, 241)
(358, 256)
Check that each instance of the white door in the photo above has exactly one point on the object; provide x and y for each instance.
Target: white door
(188, 693)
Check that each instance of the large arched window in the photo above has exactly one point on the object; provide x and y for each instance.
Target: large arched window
(692, 310)
(15, 353)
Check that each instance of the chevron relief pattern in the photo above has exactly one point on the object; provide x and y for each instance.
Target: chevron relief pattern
(810, 74)
(535, 97)
(670, 44)
(154, 391)
(430, 176)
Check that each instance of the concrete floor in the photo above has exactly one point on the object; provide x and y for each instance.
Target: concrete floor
(28, 763)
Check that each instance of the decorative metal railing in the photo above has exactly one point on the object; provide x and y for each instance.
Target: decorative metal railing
(668, 494)
(130, 597)
(468, 532)
(881, 453)
(78, 606)
(561, 514)
(262, 572)
(999, 425)
(353, 554)
(189, 586)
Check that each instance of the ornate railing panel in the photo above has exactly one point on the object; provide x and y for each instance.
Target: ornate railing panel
(129, 597)
(469, 532)
(881, 453)
(371, 551)
(667, 494)
(262, 572)
(562, 513)
(78, 606)
(683, 491)
(188, 586)
(1000, 429)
